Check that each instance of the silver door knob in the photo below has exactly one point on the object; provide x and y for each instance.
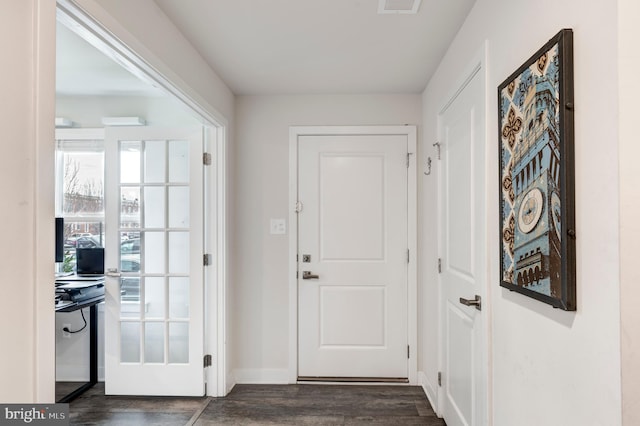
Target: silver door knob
(307, 275)
(477, 302)
(113, 272)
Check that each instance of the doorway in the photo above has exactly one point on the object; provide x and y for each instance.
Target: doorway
(214, 199)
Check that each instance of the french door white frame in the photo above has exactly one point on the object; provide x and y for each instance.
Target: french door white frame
(215, 124)
(476, 67)
(295, 133)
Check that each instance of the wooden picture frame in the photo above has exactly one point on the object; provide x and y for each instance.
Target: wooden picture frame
(537, 176)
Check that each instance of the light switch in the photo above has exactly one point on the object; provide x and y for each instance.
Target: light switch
(278, 227)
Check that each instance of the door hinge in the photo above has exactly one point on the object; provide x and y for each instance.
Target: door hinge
(439, 378)
(408, 351)
(206, 159)
(409, 154)
(206, 260)
(408, 255)
(208, 361)
(437, 145)
(439, 265)
(298, 207)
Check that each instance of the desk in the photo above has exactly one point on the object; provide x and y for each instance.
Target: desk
(92, 304)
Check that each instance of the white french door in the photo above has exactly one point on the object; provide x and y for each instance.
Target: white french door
(352, 256)
(463, 251)
(154, 261)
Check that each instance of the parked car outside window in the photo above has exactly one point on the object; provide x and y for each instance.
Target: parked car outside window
(130, 285)
(72, 240)
(130, 247)
(130, 264)
(87, 242)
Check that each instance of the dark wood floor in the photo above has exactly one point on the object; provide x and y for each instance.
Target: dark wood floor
(262, 405)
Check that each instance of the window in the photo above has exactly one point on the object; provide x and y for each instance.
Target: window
(80, 191)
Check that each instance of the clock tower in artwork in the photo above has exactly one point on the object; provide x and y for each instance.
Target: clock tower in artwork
(536, 185)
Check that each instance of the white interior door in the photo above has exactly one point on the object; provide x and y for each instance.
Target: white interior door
(352, 256)
(154, 252)
(463, 251)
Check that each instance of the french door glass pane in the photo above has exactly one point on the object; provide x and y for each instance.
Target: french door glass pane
(130, 207)
(154, 342)
(130, 297)
(178, 297)
(130, 341)
(130, 162)
(154, 298)
(178, 342)
(178, 207)
(178, 162)
(154, 252)
(154, 161)
(178, 252)
(154, 203)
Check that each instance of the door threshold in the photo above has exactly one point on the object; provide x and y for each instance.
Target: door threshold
(353, 379)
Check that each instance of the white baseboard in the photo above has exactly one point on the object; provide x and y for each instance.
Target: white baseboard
(270, 376)
(230, 382)
(429, 390)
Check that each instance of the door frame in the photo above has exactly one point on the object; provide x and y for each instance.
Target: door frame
(215, 197)
(295, 132)
(476, 67)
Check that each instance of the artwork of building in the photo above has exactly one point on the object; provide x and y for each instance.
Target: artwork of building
(533, 220)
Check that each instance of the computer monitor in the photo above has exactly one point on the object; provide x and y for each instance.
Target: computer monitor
(90, 261)
(59, 239)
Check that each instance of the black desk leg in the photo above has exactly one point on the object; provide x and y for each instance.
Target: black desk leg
(93, 348)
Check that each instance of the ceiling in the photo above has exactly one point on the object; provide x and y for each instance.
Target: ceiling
(285, 47)
(82, 70)
(318, 46)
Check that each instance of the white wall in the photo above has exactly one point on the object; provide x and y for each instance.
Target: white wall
(261, 286)
(629, 89)
(27, 354)
(550, 367)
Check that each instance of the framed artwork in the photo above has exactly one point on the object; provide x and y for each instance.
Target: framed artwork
(537, 202)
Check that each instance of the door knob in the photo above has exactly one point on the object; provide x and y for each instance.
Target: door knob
(307, 275)
(477, 302)
(113, 272)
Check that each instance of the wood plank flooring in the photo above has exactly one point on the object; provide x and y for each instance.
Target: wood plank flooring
(262, 405)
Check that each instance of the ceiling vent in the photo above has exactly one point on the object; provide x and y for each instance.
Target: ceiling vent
(398, 6)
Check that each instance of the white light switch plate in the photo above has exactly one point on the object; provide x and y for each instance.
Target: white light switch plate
(278, 227)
